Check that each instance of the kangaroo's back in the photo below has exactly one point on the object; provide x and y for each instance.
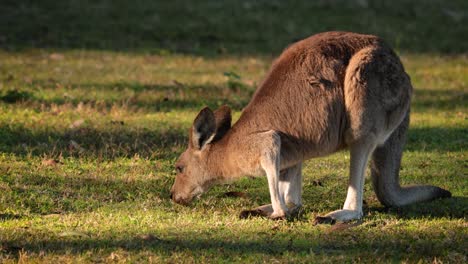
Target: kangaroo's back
(303, 94)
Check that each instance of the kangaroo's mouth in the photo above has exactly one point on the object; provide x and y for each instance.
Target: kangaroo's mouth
(194, 194)
(180, 201)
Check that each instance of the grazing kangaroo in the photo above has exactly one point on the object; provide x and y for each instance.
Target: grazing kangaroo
(328, 92)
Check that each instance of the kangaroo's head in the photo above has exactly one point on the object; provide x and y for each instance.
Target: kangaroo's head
(196, 172)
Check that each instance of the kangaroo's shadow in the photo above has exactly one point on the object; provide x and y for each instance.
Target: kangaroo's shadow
(454, 207)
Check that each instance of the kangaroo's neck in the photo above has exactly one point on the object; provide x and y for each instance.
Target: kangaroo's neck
(230, 156)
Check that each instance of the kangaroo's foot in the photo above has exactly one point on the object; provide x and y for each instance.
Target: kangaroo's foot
(261, 211)
(267, 211)
(339, 216)
(352, 208)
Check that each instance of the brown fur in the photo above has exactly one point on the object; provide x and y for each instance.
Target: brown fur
(313, 109)
(328, 92)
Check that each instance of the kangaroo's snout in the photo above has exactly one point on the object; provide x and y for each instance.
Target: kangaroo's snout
(178, 198)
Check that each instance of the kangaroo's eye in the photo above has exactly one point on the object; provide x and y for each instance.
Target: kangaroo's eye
(179, 169)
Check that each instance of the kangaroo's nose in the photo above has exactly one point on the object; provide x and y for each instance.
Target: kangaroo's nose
(170, 196)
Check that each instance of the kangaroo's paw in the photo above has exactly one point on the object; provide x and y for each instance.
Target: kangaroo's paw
(339, 216)
(261, 211)
(278, 216)
(264, 211)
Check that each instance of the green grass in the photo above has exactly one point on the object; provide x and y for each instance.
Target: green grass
(96, 98)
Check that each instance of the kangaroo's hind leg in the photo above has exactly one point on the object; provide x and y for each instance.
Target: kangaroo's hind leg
(385, 167)
(352, 209)
(377, 95)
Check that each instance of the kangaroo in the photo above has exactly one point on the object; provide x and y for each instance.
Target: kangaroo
(331, 91)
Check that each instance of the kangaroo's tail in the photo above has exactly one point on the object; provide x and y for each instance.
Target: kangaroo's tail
(385, 167)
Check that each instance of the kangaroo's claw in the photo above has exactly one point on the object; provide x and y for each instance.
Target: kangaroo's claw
(324, 220)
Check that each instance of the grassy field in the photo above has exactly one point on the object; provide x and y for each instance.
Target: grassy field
(96, 98)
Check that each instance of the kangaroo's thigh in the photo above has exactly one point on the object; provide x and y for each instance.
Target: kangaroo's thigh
(377, 94)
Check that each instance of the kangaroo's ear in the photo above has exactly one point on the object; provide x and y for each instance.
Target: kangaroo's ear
(203, 128)
(223, 121)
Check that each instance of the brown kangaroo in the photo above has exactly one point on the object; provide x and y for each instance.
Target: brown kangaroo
(328, 92)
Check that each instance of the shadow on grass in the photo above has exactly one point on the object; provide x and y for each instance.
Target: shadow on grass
(54, 193)
(453, 207)
(439, 99)
(136, 96)
(213, 27)
(116, 140)
(351, 243)
(104, 144)
(8, 216)
(437, 139)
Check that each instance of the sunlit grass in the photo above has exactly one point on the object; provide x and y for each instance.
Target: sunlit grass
(104, 197)
(89, 133)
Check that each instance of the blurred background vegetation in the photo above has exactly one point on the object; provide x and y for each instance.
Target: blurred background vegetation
(229, 26)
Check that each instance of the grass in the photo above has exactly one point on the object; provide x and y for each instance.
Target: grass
(95, 108)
